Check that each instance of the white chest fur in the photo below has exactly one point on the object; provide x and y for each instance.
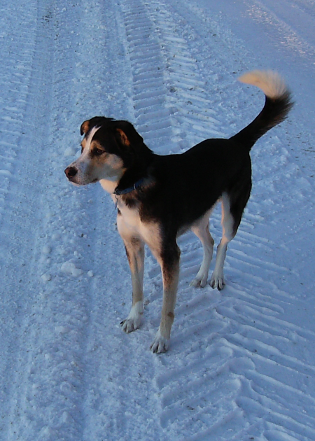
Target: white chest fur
(130, 226)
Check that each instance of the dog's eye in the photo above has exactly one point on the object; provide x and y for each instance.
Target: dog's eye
(98, 152)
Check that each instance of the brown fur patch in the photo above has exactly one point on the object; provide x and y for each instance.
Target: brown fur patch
(85, 127)
(123, 137)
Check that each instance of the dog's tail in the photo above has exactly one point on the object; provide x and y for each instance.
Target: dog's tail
(277, 105)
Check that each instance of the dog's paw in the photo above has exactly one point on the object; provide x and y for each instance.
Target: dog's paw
(160, 344)
(134, 319)
(130, 325)
(199, 282)
(217, 281)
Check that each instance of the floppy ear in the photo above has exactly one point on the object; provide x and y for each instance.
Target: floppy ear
(123, 137)
(85, 127)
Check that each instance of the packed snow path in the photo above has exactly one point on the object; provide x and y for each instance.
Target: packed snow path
(241, 364)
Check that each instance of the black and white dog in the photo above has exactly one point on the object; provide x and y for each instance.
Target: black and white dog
(160, 197)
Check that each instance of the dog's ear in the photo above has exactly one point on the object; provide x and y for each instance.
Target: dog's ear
(127, 134)
(85, 127)
(123, 138)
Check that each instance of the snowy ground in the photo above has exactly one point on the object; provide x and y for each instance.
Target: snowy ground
(241, 365)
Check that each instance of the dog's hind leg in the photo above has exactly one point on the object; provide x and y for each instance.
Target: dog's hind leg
(228, 232)
(169, 261)
(233, 205)
(201, 230)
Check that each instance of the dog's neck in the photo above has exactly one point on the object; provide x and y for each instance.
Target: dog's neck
(133, 177)
(135, 186)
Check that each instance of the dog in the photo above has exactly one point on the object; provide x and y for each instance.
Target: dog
(160, 197)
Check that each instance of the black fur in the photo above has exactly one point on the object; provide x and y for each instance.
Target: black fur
(180, 188)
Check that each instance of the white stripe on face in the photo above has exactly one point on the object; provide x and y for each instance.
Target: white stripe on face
(89, 138)
(91, 168)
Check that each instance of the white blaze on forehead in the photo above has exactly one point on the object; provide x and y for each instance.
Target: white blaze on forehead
(90, 136)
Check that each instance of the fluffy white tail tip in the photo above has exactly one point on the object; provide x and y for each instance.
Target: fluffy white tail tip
(270, 82)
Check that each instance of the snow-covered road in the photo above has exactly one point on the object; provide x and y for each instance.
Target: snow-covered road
(241, 364)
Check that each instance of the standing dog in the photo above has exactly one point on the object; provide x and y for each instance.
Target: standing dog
(160, 197)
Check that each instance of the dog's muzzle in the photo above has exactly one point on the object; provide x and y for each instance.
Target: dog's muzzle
(71, 172)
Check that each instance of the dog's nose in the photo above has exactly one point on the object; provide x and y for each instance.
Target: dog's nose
(71, 172)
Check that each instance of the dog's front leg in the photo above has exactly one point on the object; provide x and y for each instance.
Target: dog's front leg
(170, 271)
(135, 253)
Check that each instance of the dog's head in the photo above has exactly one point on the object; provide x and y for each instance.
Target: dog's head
(108, 150)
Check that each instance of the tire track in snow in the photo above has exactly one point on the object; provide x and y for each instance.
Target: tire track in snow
(47, 387)
(165, 81)
(184, 95)
(232, 339)
(117, 367)
(19, 205)
(152, 116)
(14, 92)
(67, 392)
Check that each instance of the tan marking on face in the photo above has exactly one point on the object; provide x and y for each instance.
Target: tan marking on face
(105, 165)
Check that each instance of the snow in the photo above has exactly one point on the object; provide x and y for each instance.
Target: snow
(241, 364)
